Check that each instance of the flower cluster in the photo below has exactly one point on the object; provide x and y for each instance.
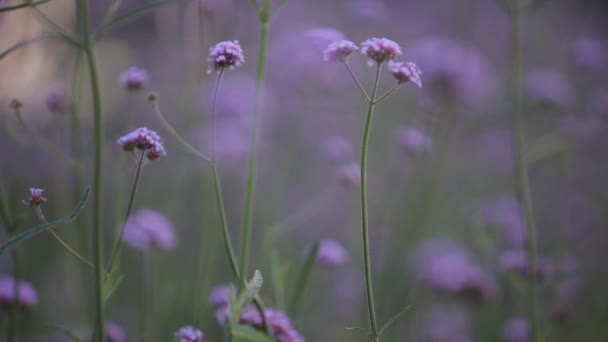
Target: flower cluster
(226, 54)
(405, 72)
(188, 334)
(148, 228)
(134, 79)
(22, 294)
(338, 51)
(145, 140)
(331, 253)
(380, 50)
(35, 199)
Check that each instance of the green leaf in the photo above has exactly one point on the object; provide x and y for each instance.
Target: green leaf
(30, 233)
(110, 285)
(278, 273)
(249, 334)
(251, 290)
(393, 320)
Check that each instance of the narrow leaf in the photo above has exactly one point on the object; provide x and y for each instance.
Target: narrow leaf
(252, 289)
(28, 234)
(393, 320)
(303, 279)
(249, 334)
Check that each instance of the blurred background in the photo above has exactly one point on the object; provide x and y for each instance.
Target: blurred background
(448, 235)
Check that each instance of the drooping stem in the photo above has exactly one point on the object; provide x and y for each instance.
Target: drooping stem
(98, 129)
(522, 182)
(364, 211)
(264, 16)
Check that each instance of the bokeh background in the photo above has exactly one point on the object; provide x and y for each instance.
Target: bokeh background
(448, 235)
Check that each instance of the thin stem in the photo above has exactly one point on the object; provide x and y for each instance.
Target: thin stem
(118, 243)
(23, 5)
(364, 211)
(83, 14)
(252, 168)
(352, 74)
(388, 93)
(60, 30)
(522, 178)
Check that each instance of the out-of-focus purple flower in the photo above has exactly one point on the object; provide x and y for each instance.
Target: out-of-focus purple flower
(115, 333)
(576, 127)
(148, 228)
(517, 260)
(331, 253)
(380, 50)
(368, 9)
(454, 72)
(447, 267)
(445, 324)
(339, 51)
(405, 72)
(134, 79)
(25, 296)
(188, 334)
(56, 98)
(546, 86)
(145, 140)
(220, 295)
(590, 53)
(349, 174)
(516, 329)
(279, 324)
(225, 55)
(337, 149)
(413, 140)
(506, 213)
(35, 199)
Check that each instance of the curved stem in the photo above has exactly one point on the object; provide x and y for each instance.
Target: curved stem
(352, 74)
(83, 14)
(364, 210)
(522, 179)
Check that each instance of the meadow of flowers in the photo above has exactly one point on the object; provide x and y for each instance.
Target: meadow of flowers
(290, 171)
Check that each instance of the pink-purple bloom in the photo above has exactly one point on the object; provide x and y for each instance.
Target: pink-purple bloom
(134, 79)
(21, 294)
(405, 72)
(516, 260)
(225, 55)
(549, 87)
(339, 51)
(278, 323)
(413, 140)
(331, 253)
(36, 199)
(188, 334)
(148, 228)
(380, 50)
(349, 174)
(115, 333)
(56, 99)
(144, 140)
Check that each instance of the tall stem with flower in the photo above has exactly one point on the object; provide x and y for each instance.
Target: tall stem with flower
(380, 52)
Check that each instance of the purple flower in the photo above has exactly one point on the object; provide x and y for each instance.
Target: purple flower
(115, 333)
(516, 329)
(148, 228)
(220, 295)
(405, 72)
(349, 174)
(25, 296)
(548, 87)
(134, 79)
(590, 53)
(506, 213)
(516, 260)
(35, 199)
(380, 50)
(145, 140)
(331, 253)
(56, 99)
(413, 140)
(226, 54)
(339, 51)
(337, 149)
(188, 334)
(279, 324)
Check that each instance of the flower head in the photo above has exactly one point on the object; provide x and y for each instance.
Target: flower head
(115, 333)
(339, 51)
(349, 174)
(145, 140)
(405, 72)
(25, 296)
(148, 228)
(380, 50)
(35, 199)
(188, 334)
(134, 79)
(226, 54)
(331, 253)
(56, 99)
(279, 324)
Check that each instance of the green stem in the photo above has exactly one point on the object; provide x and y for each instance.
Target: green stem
(303, 279)
(522, 178)
(252, 168)
(364, 210)
(83, 14)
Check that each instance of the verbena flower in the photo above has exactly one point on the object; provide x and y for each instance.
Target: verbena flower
(188, 334)
(405, 72)
(115, 333)
(337, 149)
(548, 87)
(339, 51)
(219, 298)
(517, 260)
(380, 50)
(24, 297)
(144, 140)
(590, 53)
(134, 79)
(506, 213)
(56, 99)
(279, 324)
(414, 141)
(35, 199)
(226, 54)
(148, 228)
(349, 174)
(331, 253)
